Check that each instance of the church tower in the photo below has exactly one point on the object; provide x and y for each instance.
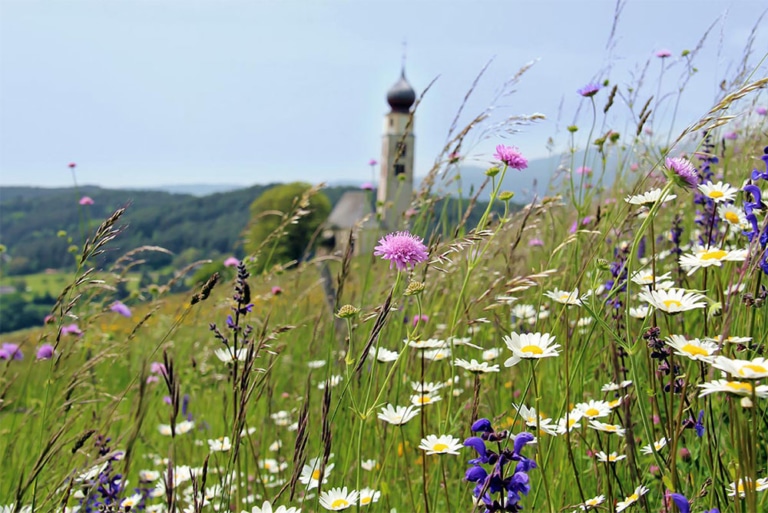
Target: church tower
(396, 175)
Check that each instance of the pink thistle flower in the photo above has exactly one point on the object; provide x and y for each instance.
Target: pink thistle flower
(761, 111)
(71, 165)
(158, 368)
(231, 262)
(731, 136)
(367, 186)
(45, 352)
(663, 54)
(11, 352)
(402, 249)
(71, 329)
(574, 227)
(454, 157)
(48, 319)
(683, 172)
(120, 308)
(634, 166)
(276, 291)
(420, 319)
(511, 156)
(583, 170)
(410, 213)
(535, 242)
(86, 200)
(589, 90)
(372, 162)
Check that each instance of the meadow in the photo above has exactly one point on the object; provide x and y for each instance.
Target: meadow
(601, 349)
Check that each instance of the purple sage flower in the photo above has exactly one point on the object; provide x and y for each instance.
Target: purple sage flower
(402, 249)
(589, 90)
(511, 156)
(683, 172)
(699, 427)
(45, 352)
(680, 501)
(120, 308)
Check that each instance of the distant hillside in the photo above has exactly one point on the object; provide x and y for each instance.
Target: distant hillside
(191, 227)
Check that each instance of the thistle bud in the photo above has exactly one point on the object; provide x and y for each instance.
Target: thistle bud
(347, 311)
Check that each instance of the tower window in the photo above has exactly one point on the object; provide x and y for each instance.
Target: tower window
(399, 169)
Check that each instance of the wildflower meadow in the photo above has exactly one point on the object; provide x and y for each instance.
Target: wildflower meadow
(598, 347)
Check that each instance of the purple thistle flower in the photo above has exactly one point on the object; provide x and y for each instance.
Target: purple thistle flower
(589, 90)
(372, 162)
(71, 329)
(683, 172)
(402, 249)
(663, 54)
(11, 352)
(761, 111)
(731, 136)
(420, 319)
(120, 308)
(86, 200)
(45, 352)
(510, 156)
(535, 242)
(367, 186)
(231, 262)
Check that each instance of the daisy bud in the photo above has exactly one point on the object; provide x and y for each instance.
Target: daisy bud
(347, 311)
(414, 288)
(746, 402)
(506, 195)
(493, 171)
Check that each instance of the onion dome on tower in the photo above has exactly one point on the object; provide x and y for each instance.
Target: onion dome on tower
(401, 96)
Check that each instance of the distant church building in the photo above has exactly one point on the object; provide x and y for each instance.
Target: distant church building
(356, 211)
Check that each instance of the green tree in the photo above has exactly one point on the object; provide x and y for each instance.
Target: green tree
(283, 221)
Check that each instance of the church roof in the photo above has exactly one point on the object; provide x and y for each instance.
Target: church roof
(401, 96)
(351, 208)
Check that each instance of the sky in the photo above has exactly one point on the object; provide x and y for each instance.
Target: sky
(143, 93)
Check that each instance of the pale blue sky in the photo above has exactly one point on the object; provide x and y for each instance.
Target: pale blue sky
(144, 93)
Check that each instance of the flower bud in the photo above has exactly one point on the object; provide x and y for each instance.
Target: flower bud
(347, 311)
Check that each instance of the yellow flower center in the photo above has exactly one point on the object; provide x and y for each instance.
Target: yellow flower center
(365, 500)
(316, 475)
(610, 427)
(339, 502)
(532, 349)
(648, 277)
(439, 447)
(565, 297)
(739, 387)
(611, 458)
(614, 403)
(425, 399)
(592, 412)
(758, 369)
(669, 303)
(732, 217)
(694, 350)
(592, 502)
(716, 194)
(714, 254)
(632, 498)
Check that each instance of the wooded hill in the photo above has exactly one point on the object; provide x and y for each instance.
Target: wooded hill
(192, 228)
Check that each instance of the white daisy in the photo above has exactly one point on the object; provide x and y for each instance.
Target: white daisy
(229, 355)
(272, 465)
(424, 399)
(337, 499)
(745, 369)
(491, 354)
(646, 277)
(639, 492)
(443, 444)
(609, 458)
(397, 415)
(673, 301)
(574, 416)
(368, 496)
(565, 297)
(267, 508)
(436, 355)
(592, 503)
(694, 349)
(431, 343)
(639, 312)
(314, 364)
(147, 476)
(648, 198)
(594, 409)
(334, 381)
(368, 465)
(608, 428)
(221, 444)
(760, 485)
(476, 367)
(740, 388)
(524, 312)
(428, 387)
(310, 473)
(384, 355)
(530, 345)
(658, 445)
(703, 257)
(718, 192)
(732, 215)
(183, 427)
(281, 418)
(130, 502)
